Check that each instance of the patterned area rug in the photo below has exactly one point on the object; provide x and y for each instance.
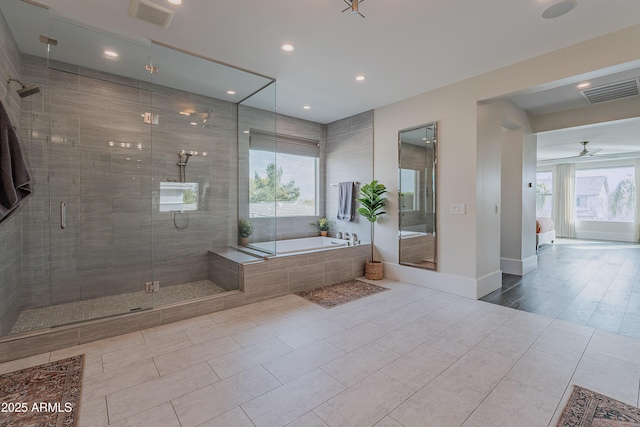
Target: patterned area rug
(43, 395)
(340, 293)
(587, 408)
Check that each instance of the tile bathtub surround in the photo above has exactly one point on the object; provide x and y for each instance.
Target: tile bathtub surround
(285, 361)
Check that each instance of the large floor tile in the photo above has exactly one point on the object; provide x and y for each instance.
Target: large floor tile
(508, 341)
(457, 340)
(120, 358)
(544, 371)
(563, 343)
(480, 369)
(309, 334)
(283, 405)
(418, 367)
(407, 338)
(608, 375)
(246, 358)
(355, 366)
(305, 359)
(160, 416)
(128, 402)
(365, 403)
(210, 402)
(443, 402)
(310, 419)
(233, 418)
(357, 336)
(130, 375)
(512, 404)
(189, 356)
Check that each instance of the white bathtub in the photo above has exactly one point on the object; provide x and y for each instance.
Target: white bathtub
(299, 245)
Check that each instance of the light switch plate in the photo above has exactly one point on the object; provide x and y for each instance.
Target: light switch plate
(459, 209)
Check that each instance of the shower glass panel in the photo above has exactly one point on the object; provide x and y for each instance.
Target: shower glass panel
(100, 173)
(258, 170)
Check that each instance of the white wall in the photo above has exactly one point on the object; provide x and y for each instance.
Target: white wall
(464, 260)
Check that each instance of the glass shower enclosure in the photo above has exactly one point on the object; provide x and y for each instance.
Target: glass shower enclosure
(135, 152)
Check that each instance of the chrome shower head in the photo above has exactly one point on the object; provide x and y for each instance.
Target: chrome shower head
(25, 90)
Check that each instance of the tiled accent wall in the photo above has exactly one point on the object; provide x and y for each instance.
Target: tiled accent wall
(10, 229)
(283, 275)
(417, 249)
(348, 156)
(94, 152)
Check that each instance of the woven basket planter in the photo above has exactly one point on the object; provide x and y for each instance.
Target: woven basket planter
(373, 270)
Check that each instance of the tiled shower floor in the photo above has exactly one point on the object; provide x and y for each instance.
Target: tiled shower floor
(45, 317)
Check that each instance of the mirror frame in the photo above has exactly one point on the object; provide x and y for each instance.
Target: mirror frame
(434, 169)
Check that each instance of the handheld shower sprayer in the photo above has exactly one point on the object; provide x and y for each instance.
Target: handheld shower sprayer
(25, 90)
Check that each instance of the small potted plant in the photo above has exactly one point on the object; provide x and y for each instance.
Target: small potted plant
(244, 229)
(323, 225)
(372, 204)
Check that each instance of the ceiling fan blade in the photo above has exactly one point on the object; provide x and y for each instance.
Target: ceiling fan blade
(593, 152)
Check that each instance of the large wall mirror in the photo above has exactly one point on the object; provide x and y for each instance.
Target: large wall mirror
(417, 196)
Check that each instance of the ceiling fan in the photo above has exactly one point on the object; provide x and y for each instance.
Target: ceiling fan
(586, 152)
(353, 6)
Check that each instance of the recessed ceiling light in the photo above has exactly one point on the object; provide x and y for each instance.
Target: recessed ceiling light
(583, 85)
(559, 9)
(231, 92)
(185, 113)
(175, 1)
(287, 47)
(360, 77)
(111, 53)
(194, 124)
(245, 131)
(307, 107)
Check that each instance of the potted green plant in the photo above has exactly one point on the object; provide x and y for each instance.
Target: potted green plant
(372, 203)
(244, 229)
(323, 224)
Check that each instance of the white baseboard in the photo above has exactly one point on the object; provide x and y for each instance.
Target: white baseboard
(598, 235)
(519, 267)
(465, 287)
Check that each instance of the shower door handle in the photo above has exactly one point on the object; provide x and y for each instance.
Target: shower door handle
(63, 215)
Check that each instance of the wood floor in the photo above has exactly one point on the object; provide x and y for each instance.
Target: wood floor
(593, 283)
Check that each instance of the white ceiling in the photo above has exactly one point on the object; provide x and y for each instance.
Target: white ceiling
(404, 47)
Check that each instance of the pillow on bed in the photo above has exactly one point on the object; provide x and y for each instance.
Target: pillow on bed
(544, 224)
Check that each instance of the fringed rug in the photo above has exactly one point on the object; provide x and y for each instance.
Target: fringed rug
(587, 408)
(340, 293)
(44, 395)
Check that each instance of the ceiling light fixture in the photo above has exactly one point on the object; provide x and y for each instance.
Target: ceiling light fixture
(175, 1)
(287, 47)
(583, 85)
(111, 54)
(559, 9)
(194, 124)
(231, 92)
(360, 77)
(307, 107)
(353, 6)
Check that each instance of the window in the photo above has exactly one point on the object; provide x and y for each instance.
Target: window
(605, 194)
(283, 184)
(544, 194)
(408, 190)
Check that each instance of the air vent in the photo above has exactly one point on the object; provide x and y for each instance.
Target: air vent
(150, 12)
(611, 92)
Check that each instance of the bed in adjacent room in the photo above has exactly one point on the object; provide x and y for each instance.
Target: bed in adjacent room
(545, 231)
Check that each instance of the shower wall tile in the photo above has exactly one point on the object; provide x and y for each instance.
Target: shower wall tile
(106, 164)
(11, 230)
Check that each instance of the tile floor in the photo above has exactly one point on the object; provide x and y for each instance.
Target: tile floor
(410, 356)
(590, 282)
